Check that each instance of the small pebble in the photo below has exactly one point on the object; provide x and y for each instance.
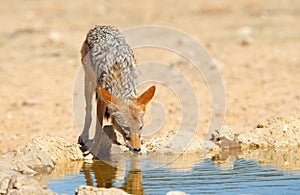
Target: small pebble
(260, 126)
(9, 115)
(246, 42)
(55, 37)
(245, 31)
(30, 102)
(285, 127)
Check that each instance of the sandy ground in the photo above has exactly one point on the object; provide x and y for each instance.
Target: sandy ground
(256, 45)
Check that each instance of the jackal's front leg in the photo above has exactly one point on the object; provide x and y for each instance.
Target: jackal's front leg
(101, 142)
(89, 89)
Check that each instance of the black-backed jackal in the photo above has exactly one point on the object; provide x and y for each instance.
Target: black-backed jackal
(110, 71)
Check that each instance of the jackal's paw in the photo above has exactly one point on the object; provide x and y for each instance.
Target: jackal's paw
(88, 157)
(85, 145)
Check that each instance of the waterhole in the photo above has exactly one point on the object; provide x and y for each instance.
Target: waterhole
(232, 172)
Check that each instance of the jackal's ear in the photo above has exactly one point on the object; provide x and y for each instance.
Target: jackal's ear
(145, 98)
(109, 98)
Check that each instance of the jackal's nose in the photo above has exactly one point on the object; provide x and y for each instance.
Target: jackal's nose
(136, 149)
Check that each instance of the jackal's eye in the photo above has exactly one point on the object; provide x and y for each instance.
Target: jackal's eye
(141, 127)
(126, 128)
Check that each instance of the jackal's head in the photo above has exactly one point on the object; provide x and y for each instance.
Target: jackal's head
(127, 116)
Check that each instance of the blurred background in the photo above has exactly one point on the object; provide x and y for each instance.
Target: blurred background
(256, 45)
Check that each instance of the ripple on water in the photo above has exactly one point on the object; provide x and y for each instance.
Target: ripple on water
(205, 176)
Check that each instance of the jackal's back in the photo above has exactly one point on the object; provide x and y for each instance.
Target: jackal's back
(112, 61)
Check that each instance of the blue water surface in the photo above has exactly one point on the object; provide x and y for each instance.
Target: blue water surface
(204, 177)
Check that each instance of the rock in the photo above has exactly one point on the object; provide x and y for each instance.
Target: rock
(29, 162)
(222, 132)
(56, 148)
(226, 144)
(37, 157)
(225, 138)
(16, 183)
(40, 155)
(178, 143)
(176, 193)
(274, 132)
(32, 161)
(89, 190)
(210, 147)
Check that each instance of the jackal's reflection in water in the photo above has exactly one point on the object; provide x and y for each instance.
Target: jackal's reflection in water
(106, 175)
